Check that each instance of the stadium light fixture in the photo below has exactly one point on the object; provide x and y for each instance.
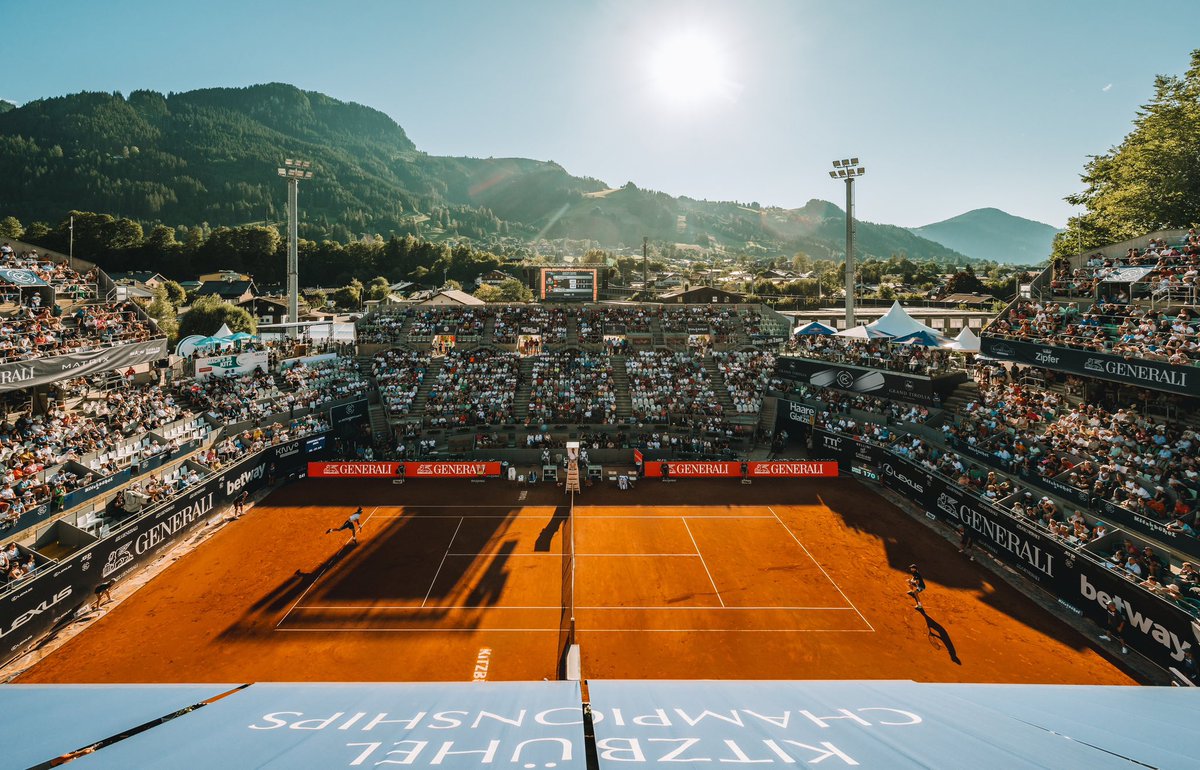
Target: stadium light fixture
(848, 169)
(294, 170)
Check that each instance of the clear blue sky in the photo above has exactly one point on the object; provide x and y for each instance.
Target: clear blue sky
(951, 104)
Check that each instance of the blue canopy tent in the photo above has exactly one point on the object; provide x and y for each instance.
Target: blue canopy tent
(815, 328)
(922, 338)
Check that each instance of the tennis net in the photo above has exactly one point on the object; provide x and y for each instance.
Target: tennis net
(566, 623)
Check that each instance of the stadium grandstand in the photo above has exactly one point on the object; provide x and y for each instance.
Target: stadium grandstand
(1066, 448)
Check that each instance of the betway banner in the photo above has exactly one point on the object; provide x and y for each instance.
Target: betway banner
(28, 614)
(1154, 627)
(859, 379)
(693, 469)
(1140, 372)
(41, 371)
(448, 470)
(355, 470)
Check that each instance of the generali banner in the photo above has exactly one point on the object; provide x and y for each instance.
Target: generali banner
(779, 469)
(784, 469)
(1135, 371)
(413, 470)
(355, 470)
(458, 470)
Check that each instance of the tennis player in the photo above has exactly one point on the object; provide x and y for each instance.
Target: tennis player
(916, 584)
(352, 523)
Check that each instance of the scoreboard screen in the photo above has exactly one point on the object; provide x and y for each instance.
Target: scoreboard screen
(562, 284)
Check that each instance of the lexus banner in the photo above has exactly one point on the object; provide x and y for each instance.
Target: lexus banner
(860, 379)
(41, 371)
(1135, 371)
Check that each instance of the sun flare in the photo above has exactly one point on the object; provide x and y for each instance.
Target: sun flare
(690, 69)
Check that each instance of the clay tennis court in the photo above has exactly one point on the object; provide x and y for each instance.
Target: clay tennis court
(797, 579)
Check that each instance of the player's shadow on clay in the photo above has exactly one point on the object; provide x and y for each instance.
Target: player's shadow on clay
(938, 632)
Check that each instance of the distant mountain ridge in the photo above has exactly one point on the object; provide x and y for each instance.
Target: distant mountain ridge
(210, 156)
(995, 235)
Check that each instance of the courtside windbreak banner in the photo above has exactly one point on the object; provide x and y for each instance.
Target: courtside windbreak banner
(693, 469)
(793, 469)
(41, 371)
(355, 470)
(410, 470)
(1134, 371)
(860, 379)
(442, 726)
(775, 469)
(449, 470)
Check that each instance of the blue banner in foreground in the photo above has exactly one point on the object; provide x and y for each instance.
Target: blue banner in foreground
(869, 725)
(449, 726)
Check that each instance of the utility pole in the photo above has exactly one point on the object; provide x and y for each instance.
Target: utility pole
(294, 171)
(645, 264)
(848, 169)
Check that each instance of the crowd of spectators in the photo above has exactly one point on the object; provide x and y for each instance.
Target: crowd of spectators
(875, 354)
(1168, 267)
(473, 388)
(1120, 329)
(399, 373)
(235, 398)
(746, 374)
(575, 387)
(315, 384)
(550, 323)
(663, 385)
(718, 322)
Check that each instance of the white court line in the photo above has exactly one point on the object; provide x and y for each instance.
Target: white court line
(823, 572)
(556, 607)
(316, 580)
(697, 547)
(439, 569)
(527, 513)
(555, 629)
(559, 555)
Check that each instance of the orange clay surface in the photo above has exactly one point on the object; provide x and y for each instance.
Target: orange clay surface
(800, 579)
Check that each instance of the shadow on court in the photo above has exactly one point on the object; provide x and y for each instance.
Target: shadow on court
(938, 633)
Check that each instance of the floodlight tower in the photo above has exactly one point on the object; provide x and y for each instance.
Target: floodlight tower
(848, 169)
(294, 171)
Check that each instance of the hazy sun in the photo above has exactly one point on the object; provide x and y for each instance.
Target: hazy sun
(690, 68)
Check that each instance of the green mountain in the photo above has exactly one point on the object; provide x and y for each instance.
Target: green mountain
(994, 235)
(210, 156)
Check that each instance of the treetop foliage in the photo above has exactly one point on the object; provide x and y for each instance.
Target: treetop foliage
(1151, 180)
